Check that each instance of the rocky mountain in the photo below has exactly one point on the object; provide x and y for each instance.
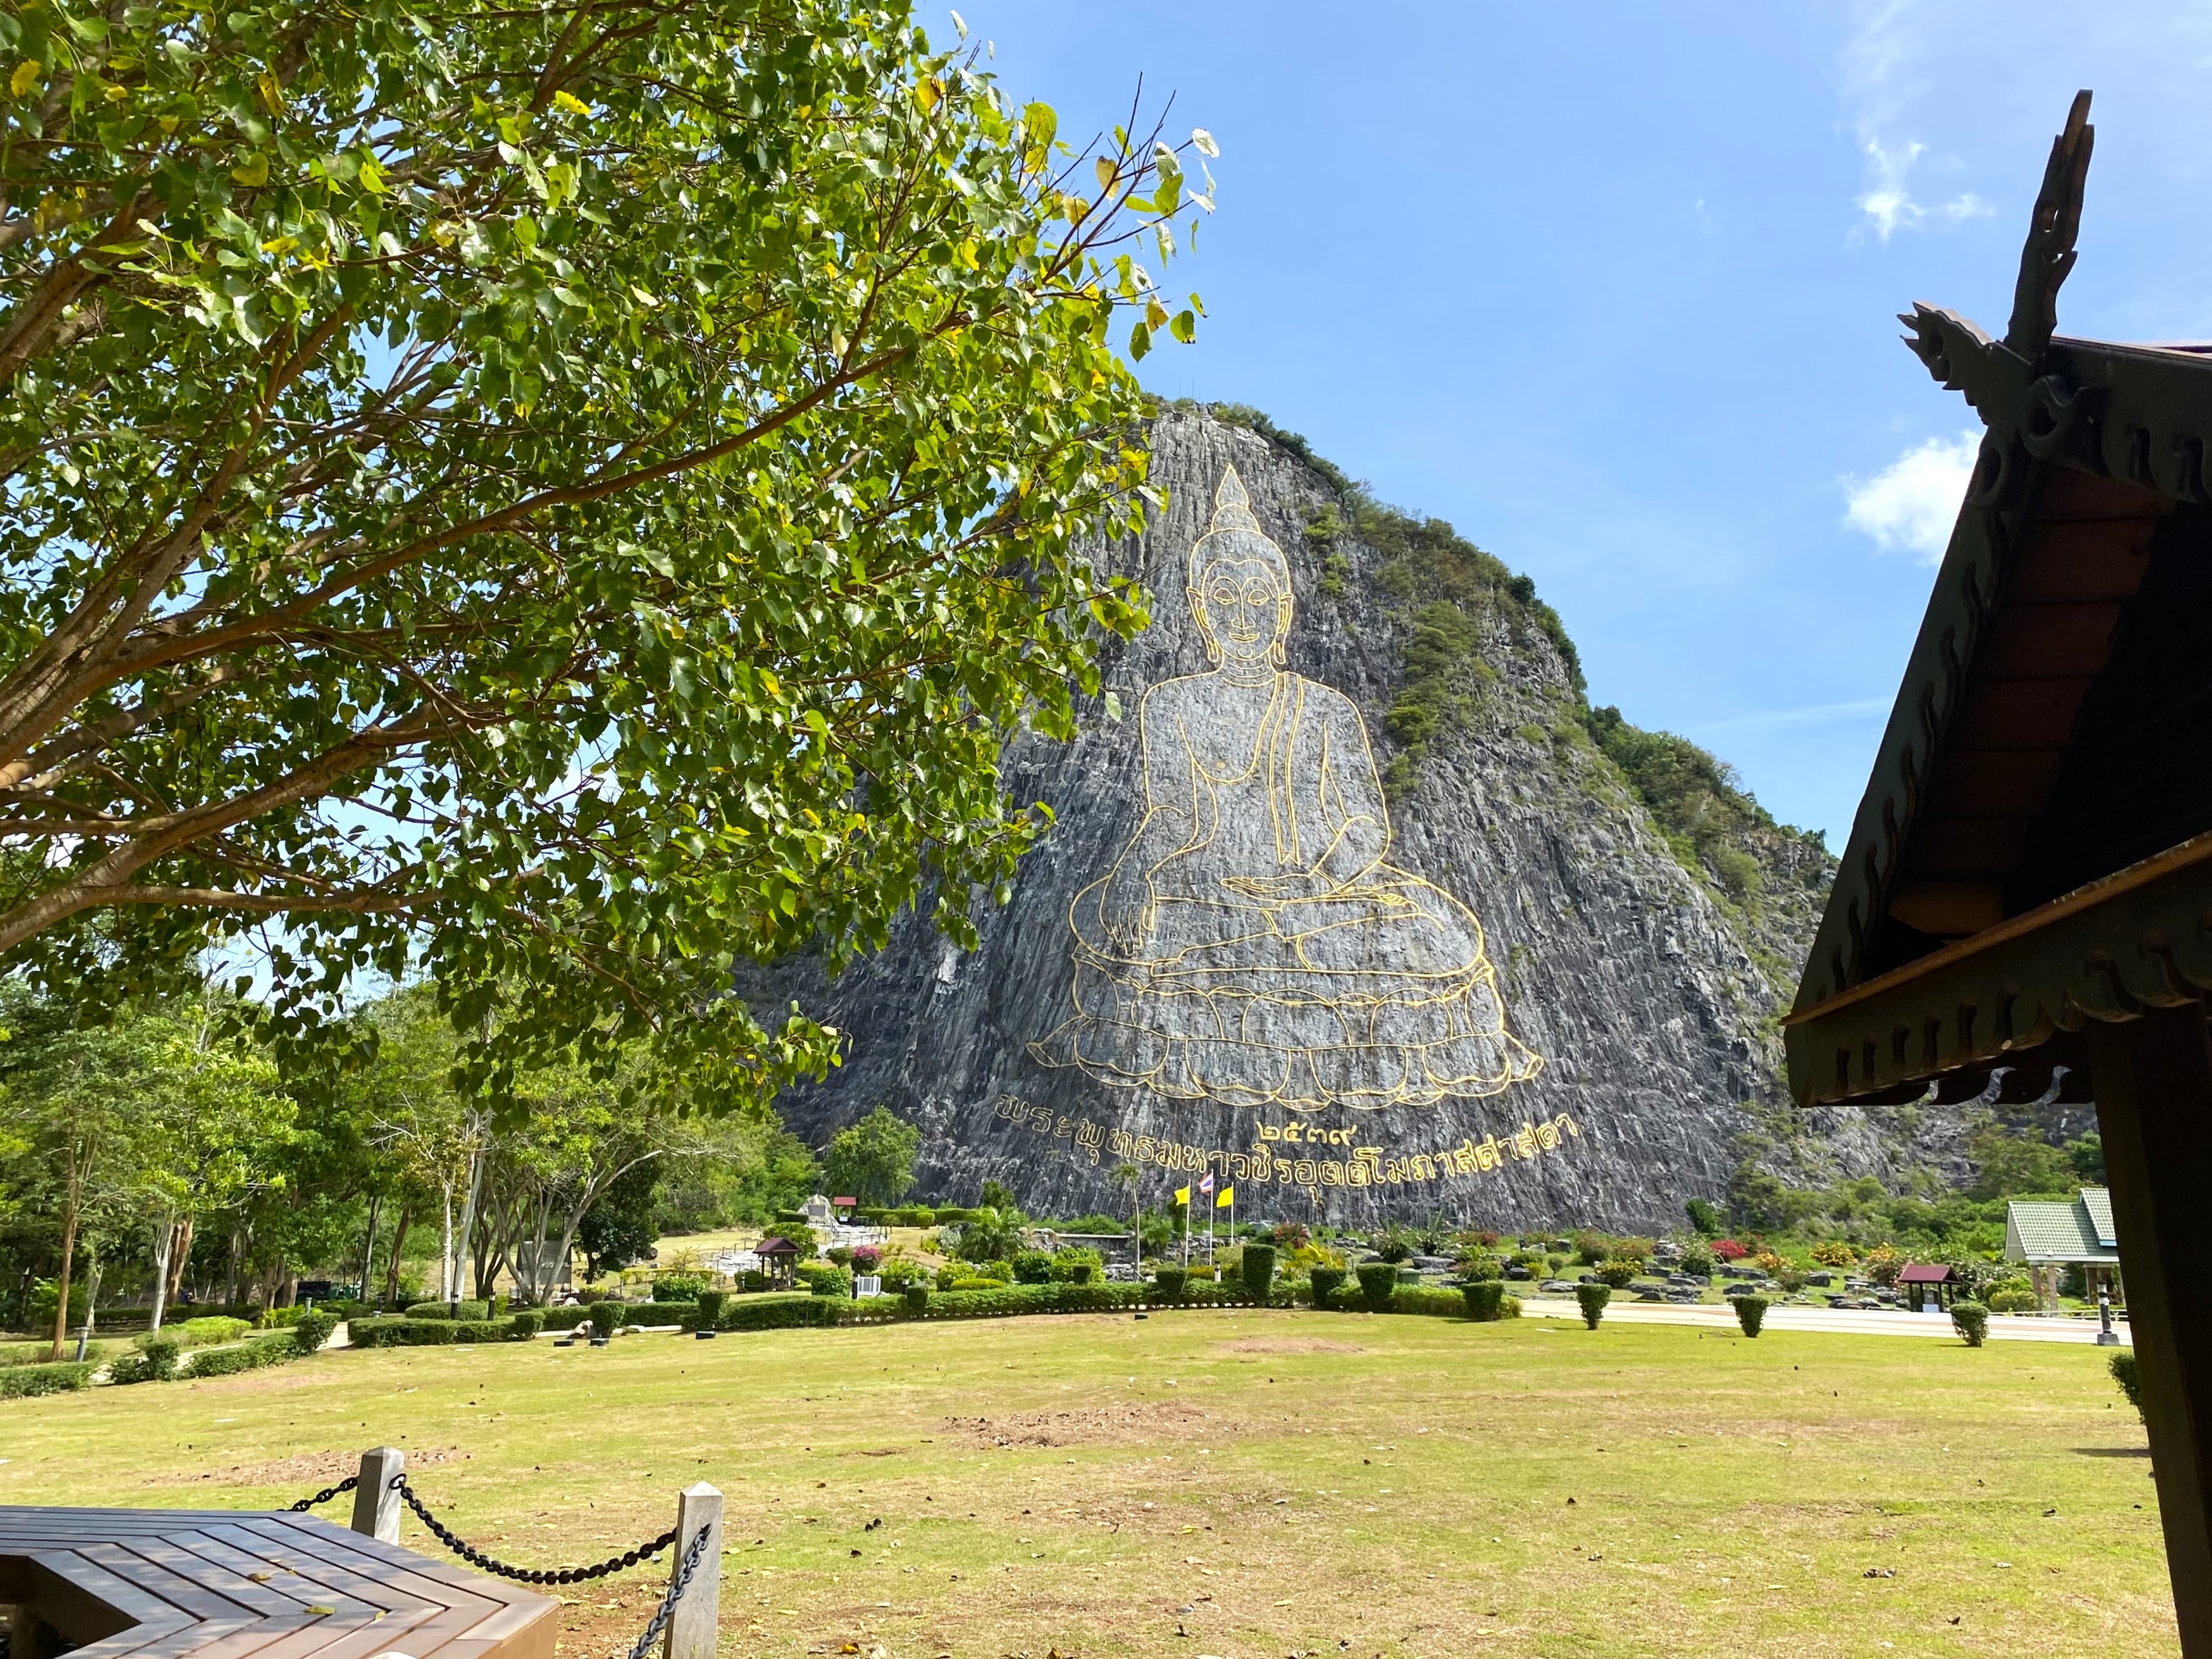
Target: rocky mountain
(1351, 901)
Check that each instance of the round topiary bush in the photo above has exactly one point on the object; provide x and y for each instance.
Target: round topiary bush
(710, 1307)
(1593, 1299)
(2124, 1372)
(1258, 1267)
(918, 1298)
(1324, 1282)
(312, 1329)
(1971, 1321)
(604, 1317)
(1167, 1282)
(525, 1323)
(1378, 1282)
(1751, 1313)
(1486, 1298)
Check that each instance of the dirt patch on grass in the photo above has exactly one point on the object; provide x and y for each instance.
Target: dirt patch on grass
(1089, 1426)
(1287, 1346)
(307, 1469)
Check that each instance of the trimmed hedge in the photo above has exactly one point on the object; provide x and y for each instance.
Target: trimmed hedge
(2128, 1376)
(21, 1381)
(1435, 1300)
(917, 1297)
(444, 1311)
(777, 1311)
(1378, 1282)
(1593, 1299)
(1256, 1267)
(1751, 1313)
(246, 1357)
(155, 1362)
(1484, 1298)
(1171, 1283)
(710, 1308)
(214, 1327)
(397, 1331)
(825, 1279)
(606, 1318)
(311, 1329)
(1971, 1321)
(1323, 1285)
(660, 1313)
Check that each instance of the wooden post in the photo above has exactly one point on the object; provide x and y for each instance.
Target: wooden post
(2153, 1082)
(375, 1506)
(693, 1624)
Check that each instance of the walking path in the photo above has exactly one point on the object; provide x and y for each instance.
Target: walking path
(2003, 1327)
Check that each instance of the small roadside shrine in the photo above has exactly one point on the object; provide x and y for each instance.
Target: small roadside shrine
(2026, 896)
(1927, 1286)
(2046, 1234)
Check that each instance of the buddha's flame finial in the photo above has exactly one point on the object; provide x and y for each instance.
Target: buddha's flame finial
(1232, 508)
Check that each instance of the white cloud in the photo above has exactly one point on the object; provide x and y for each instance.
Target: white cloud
(1910, 505)
(1889, 204)
(1817, 715)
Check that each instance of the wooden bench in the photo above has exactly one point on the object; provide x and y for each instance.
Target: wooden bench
(226, 1583)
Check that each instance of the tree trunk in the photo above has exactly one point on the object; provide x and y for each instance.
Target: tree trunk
(92, 1306)
(465, 1242)
(399, 1249)
(69, 1261)
(164, 1243)
(180, 1258)
(446, 1291)
(369, 1250)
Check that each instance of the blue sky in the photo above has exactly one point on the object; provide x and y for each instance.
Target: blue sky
(1612, 288)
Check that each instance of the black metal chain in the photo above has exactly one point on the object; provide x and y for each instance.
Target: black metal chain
(478, 1558)
(325, 1495)
(675, 1593)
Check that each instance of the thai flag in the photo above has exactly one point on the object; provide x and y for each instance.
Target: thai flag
(1207, 1185)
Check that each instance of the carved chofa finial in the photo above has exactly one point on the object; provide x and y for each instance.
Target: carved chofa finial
(1232, 508)
(2049, 254)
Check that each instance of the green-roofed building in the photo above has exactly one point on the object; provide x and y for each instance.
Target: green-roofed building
(2050, 1234)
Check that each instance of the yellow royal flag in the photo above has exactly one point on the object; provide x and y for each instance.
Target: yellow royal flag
(1225, 1198)
(1182, 1195)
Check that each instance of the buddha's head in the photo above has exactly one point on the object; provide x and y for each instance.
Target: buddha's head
(1240, 585)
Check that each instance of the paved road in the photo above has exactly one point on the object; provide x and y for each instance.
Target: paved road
(2003, 1327)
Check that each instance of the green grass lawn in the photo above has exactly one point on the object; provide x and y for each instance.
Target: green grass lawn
(1247, 1484)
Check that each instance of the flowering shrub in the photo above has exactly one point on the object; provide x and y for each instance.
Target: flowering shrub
(866, 1259)
(1729, 1251)
(1884, 1264)
(1835, 1253)
(1768, 1262)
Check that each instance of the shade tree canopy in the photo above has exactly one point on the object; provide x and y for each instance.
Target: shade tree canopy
(560, 499)
(872, 1160)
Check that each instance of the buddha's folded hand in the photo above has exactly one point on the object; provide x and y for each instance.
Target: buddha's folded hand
(1299, 884)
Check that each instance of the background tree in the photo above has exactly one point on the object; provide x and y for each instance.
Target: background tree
(218, 1118)
(567, 496)
(872, 1160)
(76, 1097)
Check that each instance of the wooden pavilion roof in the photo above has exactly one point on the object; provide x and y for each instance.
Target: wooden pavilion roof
(2034, 848)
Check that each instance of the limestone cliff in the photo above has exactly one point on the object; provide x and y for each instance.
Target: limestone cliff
(1642, 957)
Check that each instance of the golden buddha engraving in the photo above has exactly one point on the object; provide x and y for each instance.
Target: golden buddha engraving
(1251, 945)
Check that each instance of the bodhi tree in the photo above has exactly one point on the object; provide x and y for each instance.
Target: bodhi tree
(560, 498)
